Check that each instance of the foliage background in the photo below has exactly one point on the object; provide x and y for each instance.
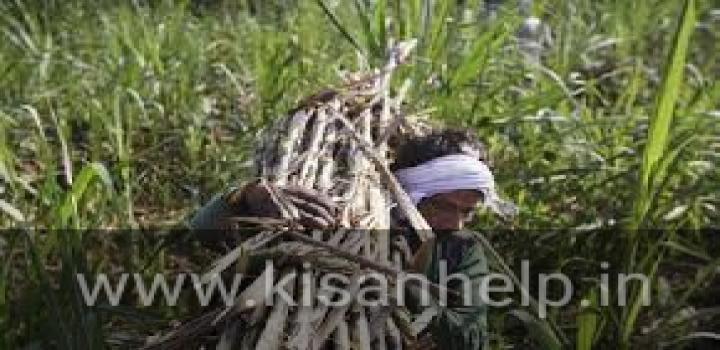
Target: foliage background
(132, 114)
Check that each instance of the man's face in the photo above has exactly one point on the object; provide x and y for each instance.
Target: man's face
(449, 211)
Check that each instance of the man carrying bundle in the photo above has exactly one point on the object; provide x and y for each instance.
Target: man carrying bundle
(445, 176)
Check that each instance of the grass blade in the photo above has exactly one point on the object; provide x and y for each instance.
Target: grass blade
(587, 322)
(84, 179)
(657, 140)
(379, 23)
(370, 42)
(485, 45)
(336, 22)
(538, 331)
(660, 123)
(13, 212)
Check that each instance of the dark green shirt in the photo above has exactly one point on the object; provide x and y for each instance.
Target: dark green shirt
(460, 325)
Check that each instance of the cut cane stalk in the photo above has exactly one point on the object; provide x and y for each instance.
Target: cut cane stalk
(402, 319)
(300, 253)
(297, 126)
(283, 252)
(365, 124)
(337, 144)
(379, 342)
(394, 338)
(354, 241)
(325, 175)
(337, 237)
(384, 120)
(376, 316)
(302, 329)
(223, 263)
(253, 297)
(351, 245)
(336, 315)
(287, 210)
(397, 55)
(254, 321)
(342, 336)
(227, 338)
(368, 263)
(271, 337)
(326, 162)
(309, 169)
(381, 227)
(248, 341)
(268, 151)
(178, 338)
(397, 260)
(354, 194)
(406, 205)
(367, 221)
(392, 122)
(368, 251)
(423, 321)
(361, 336)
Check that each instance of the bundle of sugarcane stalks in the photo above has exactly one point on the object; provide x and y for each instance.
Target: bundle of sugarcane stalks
(335, 143)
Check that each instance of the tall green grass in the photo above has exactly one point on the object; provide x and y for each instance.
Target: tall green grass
(657, 158)
(130, 115)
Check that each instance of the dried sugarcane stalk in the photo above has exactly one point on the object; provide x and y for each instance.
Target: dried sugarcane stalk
(269, 150)
(254, 295)
(336, 315)
(336, 142)
(326, 162)
(299, 253)
(369, 263)
(228, 336)
(382, 218)
(309, 168)
(178, 338)
(297, 126)
(271, 338)
(422, 321)
(342, 336)
(357, 191)
(281, 252)
(361, 339)
(302, 328)
(351, 245)
(391, 126)
(376, 316)
(253, 243)
(416, 220)
(379, 342)
(249, 336)
(394, 338)
(401, 317)
(337, 237)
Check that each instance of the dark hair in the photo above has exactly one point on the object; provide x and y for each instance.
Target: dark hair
(420, 149)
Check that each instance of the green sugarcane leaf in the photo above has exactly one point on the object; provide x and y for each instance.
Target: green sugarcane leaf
(371, 44)
(486, 44)
(379, 24)
(659, 132)
(538, 330)
(587, 322)
(88, 174)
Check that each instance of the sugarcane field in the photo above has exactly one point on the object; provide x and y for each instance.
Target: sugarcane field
(360, 174)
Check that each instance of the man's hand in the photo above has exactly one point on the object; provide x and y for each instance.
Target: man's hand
(310, 208)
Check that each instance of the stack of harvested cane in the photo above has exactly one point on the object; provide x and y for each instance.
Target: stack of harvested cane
(335, 143)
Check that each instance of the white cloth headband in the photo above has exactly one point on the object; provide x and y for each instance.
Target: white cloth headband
(450, 173)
